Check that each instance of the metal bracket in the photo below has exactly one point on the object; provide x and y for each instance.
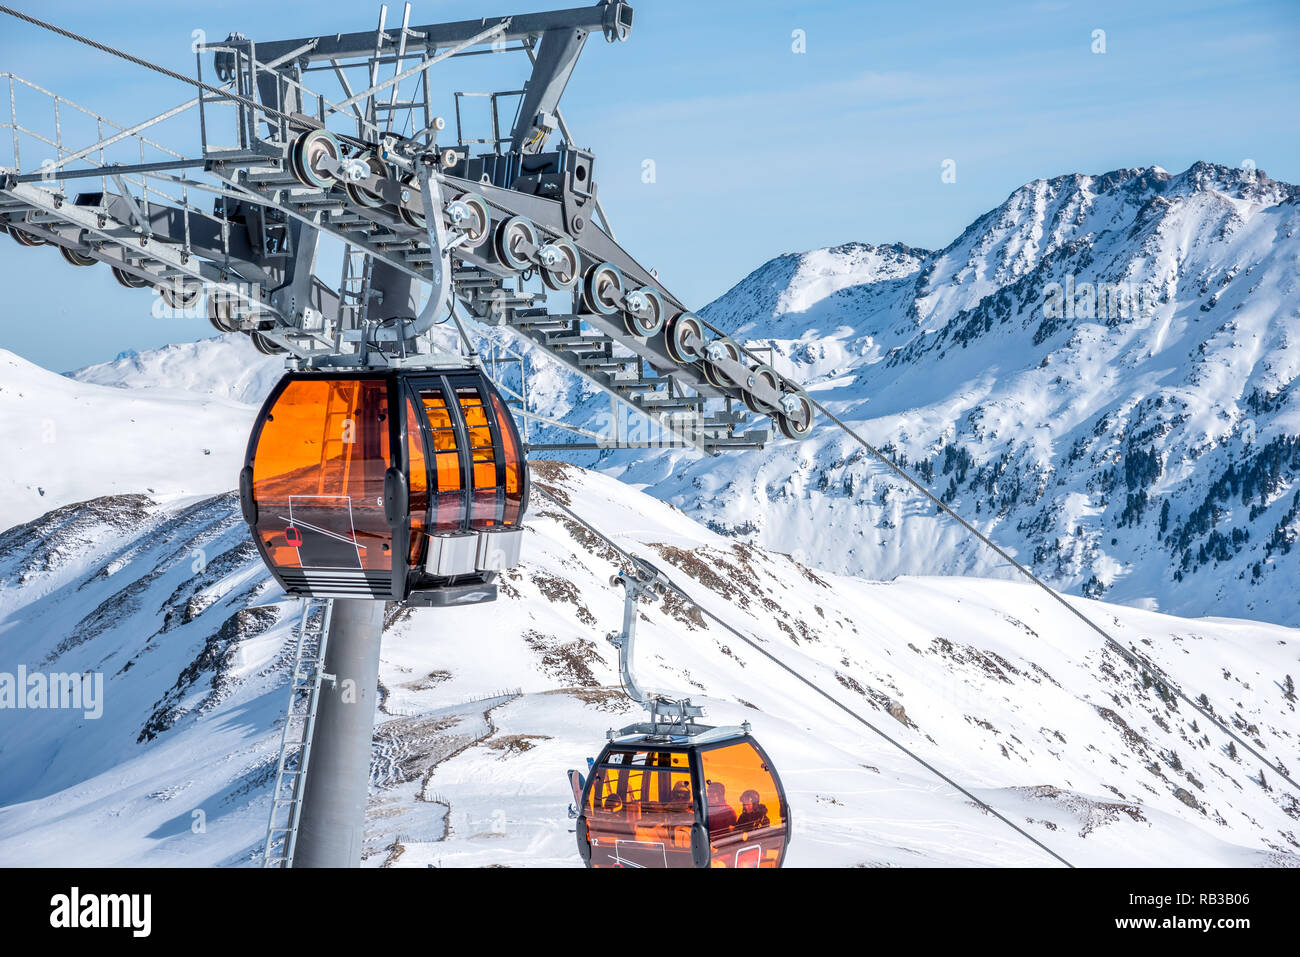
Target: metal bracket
(578, 192)
(644, 580)
(141, 220)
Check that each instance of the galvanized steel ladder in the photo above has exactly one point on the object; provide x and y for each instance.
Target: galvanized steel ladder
(295, 740)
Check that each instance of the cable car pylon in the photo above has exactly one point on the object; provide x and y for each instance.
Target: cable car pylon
(331, 825)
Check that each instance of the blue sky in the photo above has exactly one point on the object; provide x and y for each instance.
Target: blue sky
(757, 150)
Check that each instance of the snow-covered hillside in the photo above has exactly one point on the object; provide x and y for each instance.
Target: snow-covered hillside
(1100, 372)
(67, 441)
(480, 714)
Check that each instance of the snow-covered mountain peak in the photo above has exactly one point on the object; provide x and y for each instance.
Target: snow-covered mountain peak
(798, 295)
(223, 367)
(68, 440)
(1100, 371)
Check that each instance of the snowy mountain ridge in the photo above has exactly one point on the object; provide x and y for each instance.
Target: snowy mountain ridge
(1140, 440)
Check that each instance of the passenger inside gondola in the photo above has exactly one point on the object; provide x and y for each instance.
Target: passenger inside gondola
(753, 813)
(722, 817)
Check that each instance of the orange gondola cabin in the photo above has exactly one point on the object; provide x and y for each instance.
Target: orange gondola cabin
(708, 799)
(401, 485)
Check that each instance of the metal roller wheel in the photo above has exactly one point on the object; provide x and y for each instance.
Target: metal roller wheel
(645, 312)
(685, 326)
(410, 216)
(795, 420)
(180, 295)
(359, 194)
(265, 346)
(512, 234)
(220, 323)
(764, 373)
(714, 374)
(24, 238)
(305, 156)
(76, 258)
(470, 214)
(224, 311)
(603, 288)
(126, 279)
(561, 264)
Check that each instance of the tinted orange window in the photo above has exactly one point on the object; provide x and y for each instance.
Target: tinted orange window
(514, 462)
(418, 480)
(318, 475)
(449, 500)
(744, 806)
(483, 457)
(641, 814)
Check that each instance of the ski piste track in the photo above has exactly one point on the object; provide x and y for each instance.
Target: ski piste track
(506, 216)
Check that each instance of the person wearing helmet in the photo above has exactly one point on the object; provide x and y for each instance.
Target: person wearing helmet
(753, 813)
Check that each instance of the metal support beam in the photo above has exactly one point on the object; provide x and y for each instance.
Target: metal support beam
(343, 46)
(332, 825)
(552, 67)
(481, 37)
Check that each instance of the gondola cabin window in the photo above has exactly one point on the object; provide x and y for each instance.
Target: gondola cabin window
(319, 476)
(484, 459)
(448, 496)
(514, 463)
(744, 807)
(417, 480)
(641, 809)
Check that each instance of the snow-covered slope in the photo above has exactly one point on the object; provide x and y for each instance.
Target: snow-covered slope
(1100, 372)
(480, 714)
(67, 441)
